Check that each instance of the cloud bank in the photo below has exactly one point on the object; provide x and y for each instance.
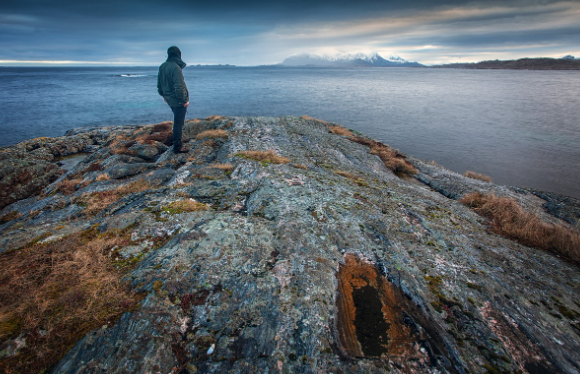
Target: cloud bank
(264, 32)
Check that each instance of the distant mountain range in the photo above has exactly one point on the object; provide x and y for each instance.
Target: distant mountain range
(348, 60)
(543, 63)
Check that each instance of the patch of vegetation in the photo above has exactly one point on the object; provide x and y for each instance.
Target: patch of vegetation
(339, 130)
(103, 177)
(392, 159)
(509, 219)
(10, 217)
(227, 168)
(435, 284)
(97, 201)
(357, 180)
(212, 134)
(67, 186)
(474, 175)
(184, 206)
(474, 286)
(265, 157)
(95, 166)
(53, 293)
(565, 311)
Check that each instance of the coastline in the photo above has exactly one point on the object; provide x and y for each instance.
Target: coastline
(231, 257)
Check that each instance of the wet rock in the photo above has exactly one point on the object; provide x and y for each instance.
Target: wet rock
(328, 263)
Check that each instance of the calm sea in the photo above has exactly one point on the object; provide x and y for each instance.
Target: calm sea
(520, 127)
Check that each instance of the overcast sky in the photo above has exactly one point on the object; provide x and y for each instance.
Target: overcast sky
(138, 32)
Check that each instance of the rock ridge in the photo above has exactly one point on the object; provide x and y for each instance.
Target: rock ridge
(321, 259)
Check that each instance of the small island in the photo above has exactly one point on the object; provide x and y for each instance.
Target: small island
(280, 245)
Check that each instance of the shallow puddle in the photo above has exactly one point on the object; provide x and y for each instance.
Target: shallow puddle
(69, 162)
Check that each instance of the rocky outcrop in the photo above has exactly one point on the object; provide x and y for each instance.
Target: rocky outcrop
(320, 259)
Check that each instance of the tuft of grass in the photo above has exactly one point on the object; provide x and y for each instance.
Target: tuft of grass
(509, 219)
(300, 166)
(53, 293)
(474, 175)
(66, 187)
(339, 130)
(265, 157)
(103, 177)
(212, 134)
(184, 206)
(227, 168)
(95, 166)
(392, 159)
(357, 180)
(121, 145)
(215, 118)
(97, 201)
(312, 119)
(10, 217)
(162, 127)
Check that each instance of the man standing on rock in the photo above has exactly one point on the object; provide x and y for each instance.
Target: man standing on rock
(171, 85)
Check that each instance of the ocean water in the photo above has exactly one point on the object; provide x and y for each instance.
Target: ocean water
(522, 128)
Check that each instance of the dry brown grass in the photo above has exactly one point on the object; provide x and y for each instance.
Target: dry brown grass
(265, 157)
(212, 134)
(509, 219)
(184, 206)
(53, 293)
(391, 158)
(339, 130)
(474, 175)
(121, 145)
(103, 177)
(97, 201)
(215, 118)
(300, 166)
(225, 167)
(10, 217)
(161, 132)
(66, 187)
(352, 177)
(95, 166)
(312, 119)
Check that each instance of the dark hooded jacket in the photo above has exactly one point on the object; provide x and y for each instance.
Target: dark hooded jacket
(170, 82)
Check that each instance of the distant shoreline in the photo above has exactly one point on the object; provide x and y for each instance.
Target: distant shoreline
(521, 64)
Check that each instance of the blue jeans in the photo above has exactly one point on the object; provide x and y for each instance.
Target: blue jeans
(178, 121)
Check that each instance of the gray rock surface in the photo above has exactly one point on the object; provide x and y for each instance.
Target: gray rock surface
(329, 263)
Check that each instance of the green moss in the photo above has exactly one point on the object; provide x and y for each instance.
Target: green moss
(184, 206)
(565, 311)
(434, 285)
(157, 289)
(474, 286)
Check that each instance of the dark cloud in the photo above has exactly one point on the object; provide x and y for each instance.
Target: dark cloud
(259, 31)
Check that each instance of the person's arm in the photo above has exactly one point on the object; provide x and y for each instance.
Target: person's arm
(159, 89)
(180, 88)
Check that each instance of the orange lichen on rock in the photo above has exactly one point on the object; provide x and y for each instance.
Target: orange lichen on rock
(370, 315)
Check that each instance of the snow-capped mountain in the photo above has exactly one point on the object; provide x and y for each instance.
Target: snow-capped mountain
(358, 59)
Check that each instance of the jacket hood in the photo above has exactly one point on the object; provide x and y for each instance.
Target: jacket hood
(177, 60)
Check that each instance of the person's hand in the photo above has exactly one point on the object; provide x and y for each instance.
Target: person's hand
(186, 104)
